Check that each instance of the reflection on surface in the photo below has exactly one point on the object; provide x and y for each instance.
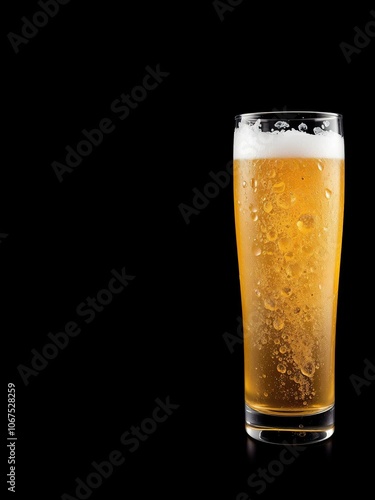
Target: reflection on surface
(257, 450)
(286, 468)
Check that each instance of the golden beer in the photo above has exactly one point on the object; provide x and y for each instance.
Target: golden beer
(289, 222)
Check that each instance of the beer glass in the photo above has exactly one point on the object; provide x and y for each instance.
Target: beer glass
(288, 177)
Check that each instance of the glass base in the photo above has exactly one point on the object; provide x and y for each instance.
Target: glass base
(301, 429)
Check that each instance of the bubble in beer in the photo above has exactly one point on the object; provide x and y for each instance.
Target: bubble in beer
(271, 173)
(281, 368)
(302, 127)
(326, 123)
(318, 130)
(270, 304)
(294, 270)
(308, 249)
(285, 244)
(286, 291)
(289, 256)
(306, 223)
(271, 235)
(278, 188)
(328, 193)
(284, 200)
(281, 124)
(267, 207)
(308, 369)
(278, 324)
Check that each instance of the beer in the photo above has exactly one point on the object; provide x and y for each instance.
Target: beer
(289, 205)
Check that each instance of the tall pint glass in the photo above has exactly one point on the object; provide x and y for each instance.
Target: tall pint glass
(289, 206)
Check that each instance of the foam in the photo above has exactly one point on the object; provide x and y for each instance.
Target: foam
(250, 142)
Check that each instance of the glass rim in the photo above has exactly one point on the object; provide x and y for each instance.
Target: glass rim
(314, 115)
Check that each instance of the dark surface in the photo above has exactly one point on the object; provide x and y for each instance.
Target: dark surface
(161, 338)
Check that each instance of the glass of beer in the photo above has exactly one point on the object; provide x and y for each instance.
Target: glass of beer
(289, 205)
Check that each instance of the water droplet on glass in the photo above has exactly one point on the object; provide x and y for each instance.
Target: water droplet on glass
(320, 167)
(244, 184)
(265, 394)
(254, 184)
(328, 194)
(283, 349)
(257, 250)
(286, 291)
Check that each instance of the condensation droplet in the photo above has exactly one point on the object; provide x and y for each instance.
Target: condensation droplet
(328, 193)
(281, 368)
(283, 349)
(265, 394)
(320, 167)
(257, 250)
(244, 184)
(254, 184)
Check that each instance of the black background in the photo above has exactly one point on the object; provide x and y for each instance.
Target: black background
(162, 337)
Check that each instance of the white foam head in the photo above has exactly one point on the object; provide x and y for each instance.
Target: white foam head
(250, 142)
